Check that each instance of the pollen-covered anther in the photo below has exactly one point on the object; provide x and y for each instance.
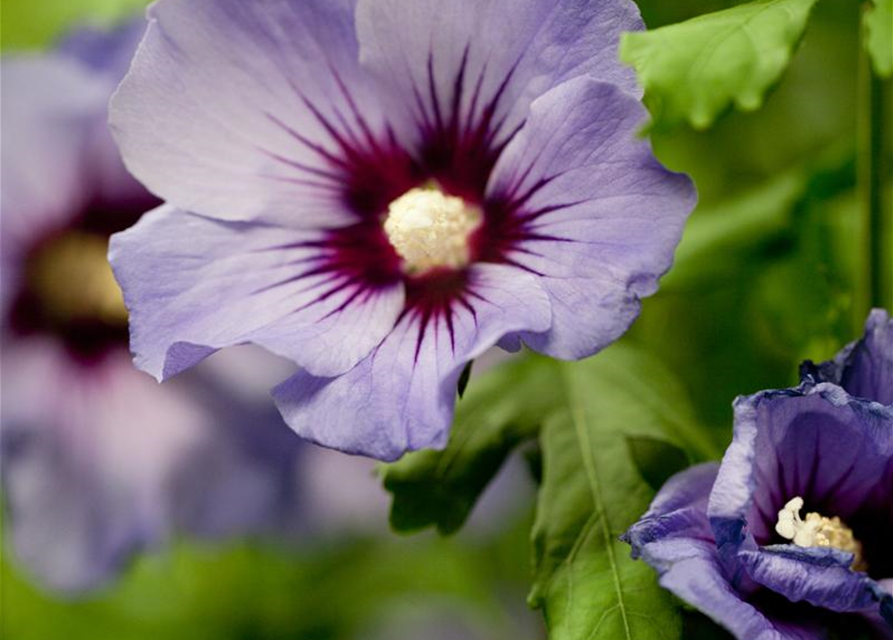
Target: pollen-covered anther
(818, 531)
(429, 229)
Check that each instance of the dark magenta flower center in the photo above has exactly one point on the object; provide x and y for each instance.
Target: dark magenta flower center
(67, 289)
(455, 156)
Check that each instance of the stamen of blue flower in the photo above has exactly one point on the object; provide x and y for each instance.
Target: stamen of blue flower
(818, 531)
(430, 230)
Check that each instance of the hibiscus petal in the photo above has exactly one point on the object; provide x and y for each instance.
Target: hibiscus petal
(234, 109)
(679, 509)
(489, 57)
(819, 576)
(865, 367)
(49, 106)
(603, 216)
(691, 569)
(107, 54)
(215, 284)
(401, 397)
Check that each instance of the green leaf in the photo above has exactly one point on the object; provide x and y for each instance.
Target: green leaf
(499, 410)
(878, 24)
(694, 70)
(602, 423)
(585, 580)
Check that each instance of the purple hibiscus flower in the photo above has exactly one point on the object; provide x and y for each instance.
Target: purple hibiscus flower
(97, 460)
(382, 190)
(791, 534)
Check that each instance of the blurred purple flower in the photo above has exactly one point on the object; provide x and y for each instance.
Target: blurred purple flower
(382, 190)
(729, 539)
(98, 461)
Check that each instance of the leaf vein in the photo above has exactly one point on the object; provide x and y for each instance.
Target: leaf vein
(578, 417)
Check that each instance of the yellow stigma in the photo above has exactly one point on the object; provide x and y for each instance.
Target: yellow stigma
(818, 531)
(430, 229)
(73, 280)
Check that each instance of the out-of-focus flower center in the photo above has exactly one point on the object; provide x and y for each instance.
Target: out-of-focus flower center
(73, 280)
(430, 229)
(818, 531)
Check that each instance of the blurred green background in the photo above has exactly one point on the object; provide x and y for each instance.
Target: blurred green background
(764, 278)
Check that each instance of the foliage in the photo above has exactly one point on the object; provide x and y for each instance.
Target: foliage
(597, 417)
(591, 492)
(692, 71)
(764, 277)
(338, 590)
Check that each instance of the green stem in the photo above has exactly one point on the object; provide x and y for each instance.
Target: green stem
(875, 158)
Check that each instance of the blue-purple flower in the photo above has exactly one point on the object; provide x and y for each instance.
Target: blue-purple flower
(98, 461)
(382, 190)
(792, 534)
